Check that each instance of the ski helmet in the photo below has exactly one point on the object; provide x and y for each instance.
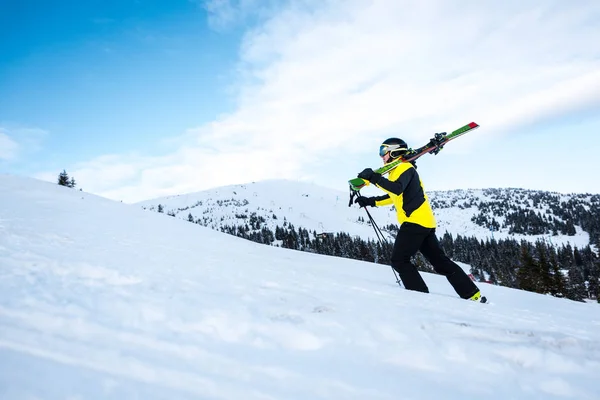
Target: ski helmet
(396, 147)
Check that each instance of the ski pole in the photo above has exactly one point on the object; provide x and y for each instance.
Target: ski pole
(378, 232)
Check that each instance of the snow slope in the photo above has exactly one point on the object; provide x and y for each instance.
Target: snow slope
(102, 300)
(326, 210)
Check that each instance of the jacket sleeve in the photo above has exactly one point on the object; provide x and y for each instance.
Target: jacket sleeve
(384, 200)
(397, 186)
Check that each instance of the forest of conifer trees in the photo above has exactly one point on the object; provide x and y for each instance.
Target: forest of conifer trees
(542, 268)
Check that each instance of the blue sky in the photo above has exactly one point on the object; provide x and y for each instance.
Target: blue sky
(103, 77)
(139, 99)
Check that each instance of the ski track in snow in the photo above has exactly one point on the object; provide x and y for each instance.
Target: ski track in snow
(100, 300)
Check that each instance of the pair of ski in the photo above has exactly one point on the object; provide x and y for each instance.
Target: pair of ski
(433, 147)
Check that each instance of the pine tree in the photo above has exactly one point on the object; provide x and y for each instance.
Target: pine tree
(544, 277)
(594, 282)
(570, 228)
(556, 280)
(447, 244)
(527, 274)
(588, 258)
(558, 285)
(63, 178)
(576, 289)
(565, 256)
(578, 259)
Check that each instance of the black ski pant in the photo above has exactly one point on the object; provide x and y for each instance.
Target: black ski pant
(412, 238)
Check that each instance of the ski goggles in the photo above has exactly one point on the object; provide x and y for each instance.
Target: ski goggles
(386, 148)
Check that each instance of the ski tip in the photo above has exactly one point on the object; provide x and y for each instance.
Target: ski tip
(473, 125)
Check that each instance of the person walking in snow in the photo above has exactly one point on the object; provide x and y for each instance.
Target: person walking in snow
(403, 188)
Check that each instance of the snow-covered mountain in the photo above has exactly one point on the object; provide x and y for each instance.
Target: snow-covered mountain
(485, 214)
(102, 300)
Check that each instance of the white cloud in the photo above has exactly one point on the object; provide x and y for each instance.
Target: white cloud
(8, 147)
(16, 142)
(323, 77)
(133, 177)
(225, 14)
(221, 13)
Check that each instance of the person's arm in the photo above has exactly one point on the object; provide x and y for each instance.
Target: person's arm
(375, 201)
(384, 200)
(397, 186)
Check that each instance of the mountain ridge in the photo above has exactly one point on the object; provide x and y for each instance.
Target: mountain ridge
(453, 208)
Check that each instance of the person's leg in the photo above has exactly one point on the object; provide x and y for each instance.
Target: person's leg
(458, 278)
(408, 241)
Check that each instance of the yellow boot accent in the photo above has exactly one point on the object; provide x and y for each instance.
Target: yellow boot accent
(476, 296)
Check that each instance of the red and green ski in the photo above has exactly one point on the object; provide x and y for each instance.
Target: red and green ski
(433, 147)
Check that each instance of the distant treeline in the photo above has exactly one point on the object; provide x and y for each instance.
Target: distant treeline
(519, 211)
(542, 268)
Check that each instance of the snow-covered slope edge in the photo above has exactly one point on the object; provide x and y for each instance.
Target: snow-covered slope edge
(100, 300)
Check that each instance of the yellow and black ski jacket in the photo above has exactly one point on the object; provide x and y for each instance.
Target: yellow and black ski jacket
(404, 190)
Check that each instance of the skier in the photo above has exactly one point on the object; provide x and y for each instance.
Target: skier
(404, 190)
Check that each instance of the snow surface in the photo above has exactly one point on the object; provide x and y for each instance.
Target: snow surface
(102, 300)
(326, 210)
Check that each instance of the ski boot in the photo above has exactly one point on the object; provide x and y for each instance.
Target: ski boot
(477, 297)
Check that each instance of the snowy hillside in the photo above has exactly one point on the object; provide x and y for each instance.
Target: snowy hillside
(102, 300)
(455, 210)
(313, 207)
(325, 210)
